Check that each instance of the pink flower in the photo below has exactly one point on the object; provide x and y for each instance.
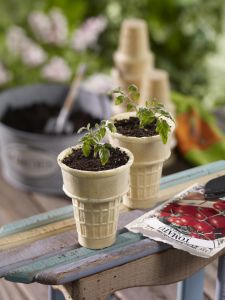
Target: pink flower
(33, 55)
(5, 76)
(50, 29)
(15, 39)
(40, 25)
(56, 70)
(87, 35)
(19, 44)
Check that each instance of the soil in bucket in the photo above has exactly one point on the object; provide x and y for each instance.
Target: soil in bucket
(76, 160)
(131, 127)
(33, 118)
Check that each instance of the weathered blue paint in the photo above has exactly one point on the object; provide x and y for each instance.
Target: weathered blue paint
(27, 273)
(54, 294)
(98, 263)
(37, 220)
(192, 287)
(193, 173)
(220, 283)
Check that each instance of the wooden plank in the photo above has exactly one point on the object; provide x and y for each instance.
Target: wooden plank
(37, 220)
(167, 267)
(12, 291)
(44, 248)
(20, 201)
(79, 256)
(24, 254)
(48, 219)
(36, 233)
(108, 259)
(168, 292)
(49, 202)
(192, 174)
(179, 180)
(32, 236)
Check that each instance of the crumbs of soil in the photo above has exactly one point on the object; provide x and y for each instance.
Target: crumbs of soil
(78, 161)
(33, 118)
(131, 127)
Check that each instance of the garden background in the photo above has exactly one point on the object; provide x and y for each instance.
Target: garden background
(187, 37)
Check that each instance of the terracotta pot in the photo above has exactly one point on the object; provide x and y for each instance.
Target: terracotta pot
(96, 198)
(149, 155)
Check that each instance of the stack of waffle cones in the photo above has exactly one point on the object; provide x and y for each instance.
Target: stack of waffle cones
(134, 64)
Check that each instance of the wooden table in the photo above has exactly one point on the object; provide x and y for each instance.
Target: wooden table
(44, 249)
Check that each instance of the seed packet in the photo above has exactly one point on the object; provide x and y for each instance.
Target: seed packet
(188, 222)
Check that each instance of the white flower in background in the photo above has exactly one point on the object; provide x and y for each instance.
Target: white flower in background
(50, 29)
(5, 76)
(33, 55)
(59, 27)
(56, 70)
(15, 39)
(19, 44)
(87, 35)
(40, 25)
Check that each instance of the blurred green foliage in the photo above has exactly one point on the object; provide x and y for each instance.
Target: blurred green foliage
(182, 34)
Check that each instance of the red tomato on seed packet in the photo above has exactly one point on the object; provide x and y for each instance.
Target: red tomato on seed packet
(188, 222)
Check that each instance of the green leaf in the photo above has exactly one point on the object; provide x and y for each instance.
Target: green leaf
(167, 115)
(145, 116)
(134, 92)
(104, 155)
(107, 145)
(132, 88)
(135, 96)
(112, 127)
(86, 149)
(102, 132)
(119, 100)
(96, 149)
(130, 106)
(163, 128)
(97, 137)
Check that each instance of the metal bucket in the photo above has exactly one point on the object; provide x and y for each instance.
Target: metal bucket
(29, 160)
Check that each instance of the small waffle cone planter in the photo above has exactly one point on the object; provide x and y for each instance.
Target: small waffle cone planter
(96, 198)
(149, 155)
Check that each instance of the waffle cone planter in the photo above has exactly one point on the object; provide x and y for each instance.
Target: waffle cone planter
(149, 155)
(96, 197)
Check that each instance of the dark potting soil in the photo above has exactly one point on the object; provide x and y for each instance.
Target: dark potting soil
(77, 160)
(131, 127)
(33, 118)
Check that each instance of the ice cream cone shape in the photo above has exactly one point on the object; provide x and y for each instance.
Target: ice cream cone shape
(96, 222)
(144, 185)
(133, 57)
(149, 156)
(96, 198)
(134, 41)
